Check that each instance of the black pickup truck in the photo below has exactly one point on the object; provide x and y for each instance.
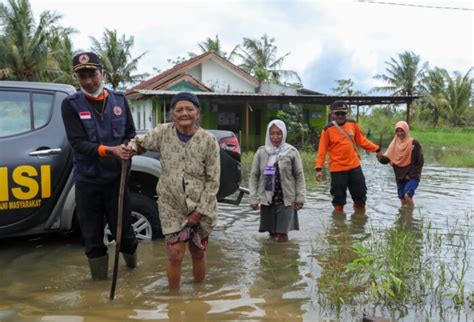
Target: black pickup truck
(36, 183)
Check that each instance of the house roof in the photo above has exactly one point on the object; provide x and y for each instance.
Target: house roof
(157, 81)
(305, 91)
(180, 78)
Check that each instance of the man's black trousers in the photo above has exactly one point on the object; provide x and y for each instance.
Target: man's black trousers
(97, 204)
(354, 180)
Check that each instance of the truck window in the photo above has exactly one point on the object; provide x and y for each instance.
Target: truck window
(42, 106)
(23, 111)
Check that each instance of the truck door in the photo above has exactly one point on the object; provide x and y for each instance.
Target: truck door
(35, 157)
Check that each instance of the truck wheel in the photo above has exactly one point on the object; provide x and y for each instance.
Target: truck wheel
(145, 219)
(145, 215)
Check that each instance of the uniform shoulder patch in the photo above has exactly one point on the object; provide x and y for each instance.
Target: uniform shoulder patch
(117, 93)
(74, 96)
(327, 126)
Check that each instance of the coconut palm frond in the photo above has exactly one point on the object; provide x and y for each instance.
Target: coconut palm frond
(259, 58)
(24, 45)
(117, 58)
(402, 75)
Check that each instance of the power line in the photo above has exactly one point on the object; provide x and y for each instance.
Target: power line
(414, 5)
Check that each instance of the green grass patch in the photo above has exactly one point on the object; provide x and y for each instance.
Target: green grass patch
(410, 264)
(446, 147)
(449, 138)
(457, 158)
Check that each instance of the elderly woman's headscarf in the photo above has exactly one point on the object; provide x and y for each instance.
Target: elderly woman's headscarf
(275, 152)
(399, 151)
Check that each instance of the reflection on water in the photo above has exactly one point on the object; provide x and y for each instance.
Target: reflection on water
(250, 277)
(277, 281)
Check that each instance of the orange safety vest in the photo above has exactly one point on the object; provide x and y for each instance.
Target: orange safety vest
(342, 153)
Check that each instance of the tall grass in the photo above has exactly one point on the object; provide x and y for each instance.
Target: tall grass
(448, 147)
(457, 158)
(410, 264)
(448, 138)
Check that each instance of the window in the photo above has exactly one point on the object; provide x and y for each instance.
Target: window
(23, 111)
(42, 106)
(229, 118)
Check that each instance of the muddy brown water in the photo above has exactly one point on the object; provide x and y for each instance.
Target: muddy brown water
(250, 277)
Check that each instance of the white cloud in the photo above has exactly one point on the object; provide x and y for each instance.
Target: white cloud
(343, 39)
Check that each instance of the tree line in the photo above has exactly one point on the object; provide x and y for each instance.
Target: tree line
(443, 96)
(43, 51)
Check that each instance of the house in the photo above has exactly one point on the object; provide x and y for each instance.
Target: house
(231, 98)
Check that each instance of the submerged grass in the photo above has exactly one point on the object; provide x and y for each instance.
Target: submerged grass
(410, 265)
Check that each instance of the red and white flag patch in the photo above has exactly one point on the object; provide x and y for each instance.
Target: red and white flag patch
(85, 115)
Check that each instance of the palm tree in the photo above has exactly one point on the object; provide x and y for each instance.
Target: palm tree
(402, 77)
(458, 96)
(259, 58)
(117, 59)
(60, 57)
(433, 93)
(346, 87)
(214, 45)
(24, 45)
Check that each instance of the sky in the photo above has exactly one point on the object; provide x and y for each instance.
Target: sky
(327, 40)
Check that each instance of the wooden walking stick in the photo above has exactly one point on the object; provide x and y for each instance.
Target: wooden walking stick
(118, 230)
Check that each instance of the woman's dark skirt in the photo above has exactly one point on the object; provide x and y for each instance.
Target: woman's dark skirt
(278, 219)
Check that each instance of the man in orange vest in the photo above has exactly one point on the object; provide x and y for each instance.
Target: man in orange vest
(340, 138)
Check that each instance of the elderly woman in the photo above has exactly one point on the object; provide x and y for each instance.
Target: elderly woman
(276, 183)
(406, 157)
(188, 184)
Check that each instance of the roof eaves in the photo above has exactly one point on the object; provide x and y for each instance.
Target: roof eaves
(316, 99)
(151, 83)
(183, 77)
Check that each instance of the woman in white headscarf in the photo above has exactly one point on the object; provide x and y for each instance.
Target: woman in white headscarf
(276, 183)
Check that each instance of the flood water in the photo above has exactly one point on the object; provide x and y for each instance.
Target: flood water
(250, 277)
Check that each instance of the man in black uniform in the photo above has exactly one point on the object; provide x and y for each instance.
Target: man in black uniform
(97, 121)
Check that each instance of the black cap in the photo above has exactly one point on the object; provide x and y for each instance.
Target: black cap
(185, 96)
(86, 60)
(339, 106)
